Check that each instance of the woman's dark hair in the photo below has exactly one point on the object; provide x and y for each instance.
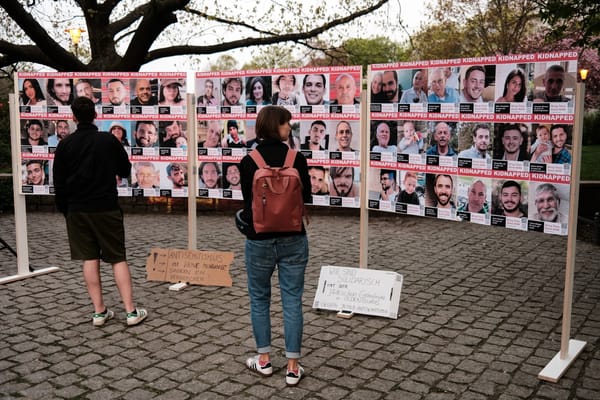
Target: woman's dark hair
(268, 121)
(516, 72)
(266, 88)
(39, 95)
(161, 96)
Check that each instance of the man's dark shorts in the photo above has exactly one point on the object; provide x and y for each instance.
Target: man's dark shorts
(97, 235)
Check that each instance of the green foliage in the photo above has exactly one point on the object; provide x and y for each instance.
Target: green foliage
(590, 167)
(225, 62)
(591, 128)
(573, 17)
(377, 50)
(460, 28)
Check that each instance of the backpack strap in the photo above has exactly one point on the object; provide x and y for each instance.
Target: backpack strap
(290, 158)
(258, 159)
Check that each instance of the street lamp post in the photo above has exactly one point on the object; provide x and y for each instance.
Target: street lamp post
(75, 34)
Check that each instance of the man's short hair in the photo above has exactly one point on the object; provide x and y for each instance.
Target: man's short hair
(510, 127)
(115, 80)
(141, 164)
(556, 68)
(547, 187)
(508, 184)
(557, 126)
(390, 173)
(307, 75)
(345, 75)
(474, 68)
(34, 122)
(83, 110)
(317, 167)
(138, 123)
(480, 126)
(444, 175)
(174, 167)
(318, 122)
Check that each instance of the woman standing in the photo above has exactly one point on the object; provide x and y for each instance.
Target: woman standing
(288, 251)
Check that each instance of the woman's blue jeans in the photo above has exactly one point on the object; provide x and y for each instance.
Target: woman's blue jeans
(290, 255)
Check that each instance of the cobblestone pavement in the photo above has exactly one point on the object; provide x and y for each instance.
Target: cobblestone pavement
(480, 316)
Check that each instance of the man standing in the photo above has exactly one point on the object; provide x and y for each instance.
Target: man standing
(547, 202)
(473, 85)
(553, 84)
(143, 93)
(481, 141)
(441, 136)
(86, 165)
(443, 187)
(317, 132)
(510, 199)
(313, 87)
(439, 92)
(343, 136)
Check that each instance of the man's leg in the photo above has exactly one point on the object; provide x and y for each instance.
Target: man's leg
(91, 275)
(123, 281)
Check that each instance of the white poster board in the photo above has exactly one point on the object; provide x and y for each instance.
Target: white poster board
(359, 290)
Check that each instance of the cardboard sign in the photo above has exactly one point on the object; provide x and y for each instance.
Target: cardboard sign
(359, 290)
(210, 268)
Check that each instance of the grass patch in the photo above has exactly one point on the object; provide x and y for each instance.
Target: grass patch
(590, 163)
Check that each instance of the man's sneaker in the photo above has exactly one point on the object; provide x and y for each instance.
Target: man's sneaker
(98, 319)
(293, 377)
(137, 316)
(254, 364)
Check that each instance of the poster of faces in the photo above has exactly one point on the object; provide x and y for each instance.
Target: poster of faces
(325, 107)
(485, 140)
(146, 112)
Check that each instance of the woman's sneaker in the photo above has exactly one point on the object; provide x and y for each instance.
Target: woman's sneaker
(137, 316)
(255, 365)
(98, 319)
(293, 377)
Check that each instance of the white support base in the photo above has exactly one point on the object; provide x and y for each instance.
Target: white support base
(18, 277)
(557, 366)
(178, 286)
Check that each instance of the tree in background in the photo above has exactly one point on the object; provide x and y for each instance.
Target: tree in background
(275, 56)
(124, 35)
(469, 28)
